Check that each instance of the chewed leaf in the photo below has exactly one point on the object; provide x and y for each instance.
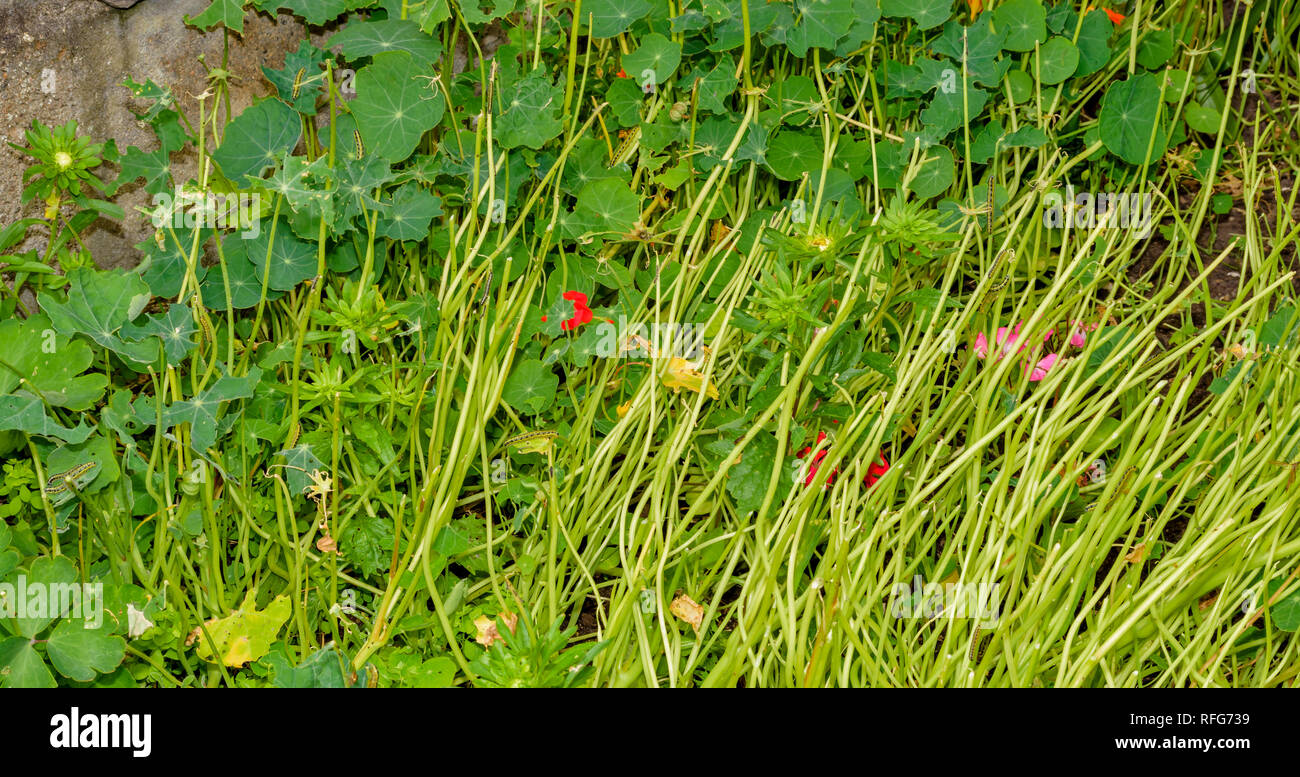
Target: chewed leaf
(246, 634)
(27, 414)
(682, 374)
(202, 411)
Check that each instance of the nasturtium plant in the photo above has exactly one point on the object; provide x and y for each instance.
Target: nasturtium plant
(1093, 42)
(1132, 126)
(367, 39)
(99, 303)
(228, 13)
(1024, 23)
(496, 344)
(397, 102)
(926, 13)
(530, 389)
(409, 214)
(34, 357)
(257, 138)
(1057, 60)
(654, 61)
(302, 71)
(312, 11)
(528, 112)
(610, 17)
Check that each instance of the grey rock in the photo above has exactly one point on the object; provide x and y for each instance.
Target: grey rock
(66, 59)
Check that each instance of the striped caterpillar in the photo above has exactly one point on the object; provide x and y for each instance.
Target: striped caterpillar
(530, 436)
(57, 484)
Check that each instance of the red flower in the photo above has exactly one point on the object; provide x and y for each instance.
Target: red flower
(621, 74)
(581, 313)
(817, 460)
(876, 471)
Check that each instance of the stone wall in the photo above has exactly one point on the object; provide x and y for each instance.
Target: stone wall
(67, 59)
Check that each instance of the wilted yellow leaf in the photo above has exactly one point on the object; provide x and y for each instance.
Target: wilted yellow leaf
(487, 628)
(688, 610)
(1138, 553)
(245, 634)
(685, 375)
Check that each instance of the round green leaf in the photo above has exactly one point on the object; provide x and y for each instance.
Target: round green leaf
(1093, 42)
(1022, 85)
(411, 211)
(366, 39)
(530, 389)
(292, 260)
(608, 205)
(653, 61)
(1058, 58)
(244, 278)
(610, 17)
(1025, 23)
(936, 174)
(80, 653)
(1129, 119)
(926, 13)
(397, 102)
(1201, 118)
(252, 142)
(791, 154)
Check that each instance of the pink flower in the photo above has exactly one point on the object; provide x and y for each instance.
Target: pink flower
(1040, 370)
(1079, 338)
(1004, 342)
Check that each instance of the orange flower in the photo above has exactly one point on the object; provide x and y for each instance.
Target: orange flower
(1115, 17)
